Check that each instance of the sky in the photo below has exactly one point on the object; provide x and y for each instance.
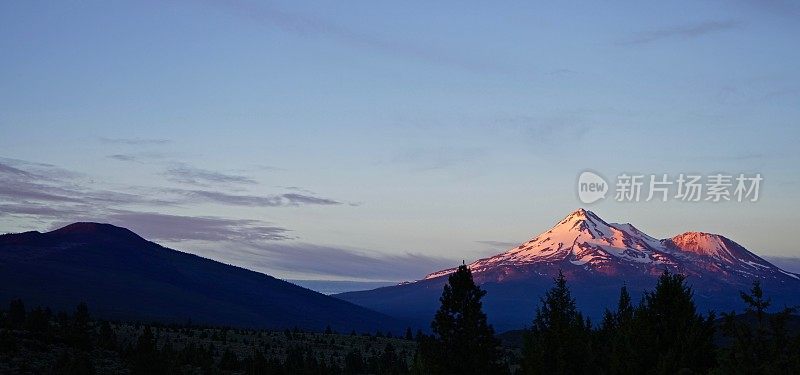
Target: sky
(381, 141)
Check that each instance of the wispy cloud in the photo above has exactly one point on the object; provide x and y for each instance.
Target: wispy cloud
(298, 199)
(178, 228)
(20, 190)
(9, 170)
(681, 32)
(17, 184)
(432, 159)
(297, 188)
(122, 157)
(309, 26)
(139, 157)
(197, 176)
(280, 200)
(34, 171)
(135, 141)
(32, 209)
(343, 263)
(541, 134)
(52, 187)
(785, 8)
(501, 244)
(42, 193)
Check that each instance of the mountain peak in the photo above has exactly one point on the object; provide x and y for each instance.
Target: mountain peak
(581, 221)
(584, 240)
(579, 211)
(580, 214)
(706, 244)
(94, 230)
(572, 239)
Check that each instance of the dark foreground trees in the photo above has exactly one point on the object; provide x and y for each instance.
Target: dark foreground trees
(462, 341)
(671, 336)
(664, 334)
(559, 342)
(758, 342)
(661, 334)
(37, 341)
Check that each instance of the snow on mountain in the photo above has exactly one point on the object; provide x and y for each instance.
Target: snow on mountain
(720, 254)
(583, 240)
(597, 258)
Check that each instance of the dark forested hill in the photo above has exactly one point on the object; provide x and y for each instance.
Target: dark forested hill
(123, 276)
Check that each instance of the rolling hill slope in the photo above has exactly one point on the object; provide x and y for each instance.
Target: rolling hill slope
(123, 276)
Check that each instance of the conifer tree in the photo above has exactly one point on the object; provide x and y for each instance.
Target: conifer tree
(79, 329)
(670, 335)
(759, 341)
(16, 314)
(559, 340)
(146, 358)
(106, 338)
(462, 341)
(614, 335)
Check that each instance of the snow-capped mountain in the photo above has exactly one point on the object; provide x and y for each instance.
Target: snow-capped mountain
(597, 258)
(585, 241)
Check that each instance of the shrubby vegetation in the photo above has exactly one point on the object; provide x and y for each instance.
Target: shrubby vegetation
(38, 341)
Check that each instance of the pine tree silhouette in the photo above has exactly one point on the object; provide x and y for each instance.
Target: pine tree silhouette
(759, 341)
(16, 314)
(671, 336)
(462, 341)
(559, 340)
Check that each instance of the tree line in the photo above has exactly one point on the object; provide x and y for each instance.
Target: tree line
(662, 334)
(81, 345)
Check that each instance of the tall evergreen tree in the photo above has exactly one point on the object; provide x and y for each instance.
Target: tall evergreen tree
(559, 340)
(409, 335)
(38, 320)
(759, 342)
(614, 335)
(145, 357)
(612, 320)
(670, 335)
(462, 341)
(16, 314)
(106, 338)
(79, 330)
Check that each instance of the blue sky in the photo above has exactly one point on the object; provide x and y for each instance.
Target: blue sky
(380, 141)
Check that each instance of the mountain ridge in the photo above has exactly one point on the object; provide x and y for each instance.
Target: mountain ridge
(585, 239)
(123, 276)
(597, 258)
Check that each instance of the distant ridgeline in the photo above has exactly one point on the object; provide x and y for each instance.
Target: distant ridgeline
(597, 258)
(123, 276)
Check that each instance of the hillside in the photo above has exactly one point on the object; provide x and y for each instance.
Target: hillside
(123, 276)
